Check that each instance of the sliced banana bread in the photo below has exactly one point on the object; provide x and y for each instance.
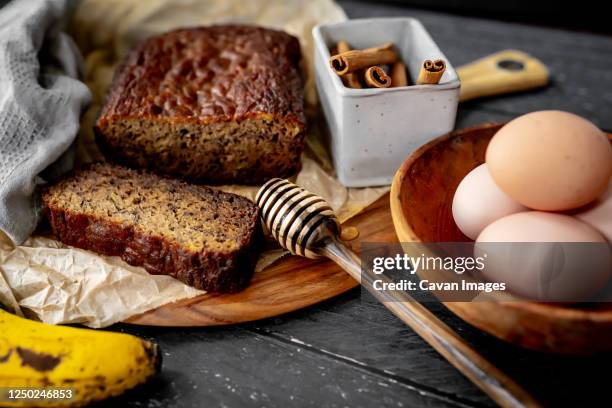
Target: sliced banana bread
(200, 236)
(219, 104)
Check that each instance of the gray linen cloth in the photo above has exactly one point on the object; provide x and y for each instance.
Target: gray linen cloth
(41, 101)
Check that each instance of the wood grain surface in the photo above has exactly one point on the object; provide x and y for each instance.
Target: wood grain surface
(289, 284)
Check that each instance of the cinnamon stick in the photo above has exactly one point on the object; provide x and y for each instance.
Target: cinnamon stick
(354, 60)
(398, 75)
(351, 79)
(431, 72)
(376, 77)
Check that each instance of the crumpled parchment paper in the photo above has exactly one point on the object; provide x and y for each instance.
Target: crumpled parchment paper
(58, 284)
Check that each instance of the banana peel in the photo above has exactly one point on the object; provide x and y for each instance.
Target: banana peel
(93, 364)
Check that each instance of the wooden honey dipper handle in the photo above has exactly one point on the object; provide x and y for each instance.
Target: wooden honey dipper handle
(501, 388)
(305, 224)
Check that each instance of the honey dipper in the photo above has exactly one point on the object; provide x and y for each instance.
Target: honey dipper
(305, 225)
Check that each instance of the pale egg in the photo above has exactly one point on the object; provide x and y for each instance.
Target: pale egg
(598, 214)
(545, 256)
(550, 160)
(478, 202)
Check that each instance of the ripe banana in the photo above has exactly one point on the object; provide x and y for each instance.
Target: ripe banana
(93, 364)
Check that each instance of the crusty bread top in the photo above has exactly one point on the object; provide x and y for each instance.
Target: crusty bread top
(206, 74)
(195, 217)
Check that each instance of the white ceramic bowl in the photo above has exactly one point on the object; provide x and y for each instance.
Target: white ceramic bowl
(373, 130)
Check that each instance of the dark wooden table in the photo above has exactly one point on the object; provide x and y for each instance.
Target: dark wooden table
(350, 351)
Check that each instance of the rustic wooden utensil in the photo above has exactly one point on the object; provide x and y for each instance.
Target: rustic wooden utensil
(305, 225)
(421, 200)
(500, 73)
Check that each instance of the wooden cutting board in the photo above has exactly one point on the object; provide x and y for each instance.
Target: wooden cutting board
(289, 284)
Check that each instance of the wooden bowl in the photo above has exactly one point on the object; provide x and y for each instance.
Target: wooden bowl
(421, 199)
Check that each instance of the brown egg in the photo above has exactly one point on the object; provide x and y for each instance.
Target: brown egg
(550, 160)
(545, 256)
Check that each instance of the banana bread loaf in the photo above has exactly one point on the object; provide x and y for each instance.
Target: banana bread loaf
(219, 104)
(200, 236)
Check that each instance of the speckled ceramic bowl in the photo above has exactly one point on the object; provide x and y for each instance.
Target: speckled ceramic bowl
(373, 130)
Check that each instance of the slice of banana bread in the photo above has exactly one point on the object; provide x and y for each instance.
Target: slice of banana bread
(219, 104)
(201, 236)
